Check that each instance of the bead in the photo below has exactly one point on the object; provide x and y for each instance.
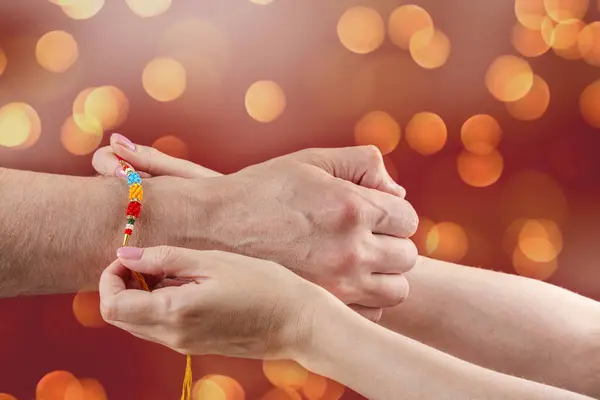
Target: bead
(136, 192)
(128, 231)
(130, 221)
(129, 226)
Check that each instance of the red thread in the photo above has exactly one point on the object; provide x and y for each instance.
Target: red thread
(128, 231)
(134, 208)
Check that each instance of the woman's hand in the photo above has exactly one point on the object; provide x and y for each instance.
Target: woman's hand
(211, 302)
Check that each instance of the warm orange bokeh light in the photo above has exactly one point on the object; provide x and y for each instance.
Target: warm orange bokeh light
(534, 104)
(3, 61)
(164, 79)
(20, 126)
(430, 49)
(509, 78)
(148, 8)
(217, 387)
(481, 134)
(361, 29)
(480, 170)
(86, 122)
(528, 42)
(107, 105)
(405, 21)
(82, 9)
(447, 241)
(532, 269)
(6, 396)
(566, 34)
(379, 129)
(76, 140)
(56, 51)
(314, 387)
(530, 13)
(265, 101)
(85, 389)
(172, 146)
(540, 240)
(589, 43)
(53, 386)
(563, 10)
(426, 133)
(285, 373)
(420, 236)
(86, 308)
(589, 104)
(282, 394)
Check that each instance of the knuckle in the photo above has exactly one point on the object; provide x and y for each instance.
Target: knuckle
(107, 310)
(373, 155)
(165, 254)
(398, 291)
(411, 255)
(351, 211)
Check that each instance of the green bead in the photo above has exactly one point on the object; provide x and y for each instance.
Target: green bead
(131, 221)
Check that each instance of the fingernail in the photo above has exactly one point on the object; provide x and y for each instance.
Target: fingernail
(130, 253)
(123, 141)
(120, 173)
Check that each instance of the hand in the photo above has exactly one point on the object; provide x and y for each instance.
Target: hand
(314, 211)
(232, 305)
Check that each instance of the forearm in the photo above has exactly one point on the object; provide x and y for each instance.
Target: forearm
(507, 323)
(381, 365)
(59, 232)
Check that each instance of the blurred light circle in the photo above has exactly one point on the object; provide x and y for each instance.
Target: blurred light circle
(430, 49)
(509, 78)
(540, 240)
(56, 51)
(589, 103)
(265, 101)
(20, 125)
(481, 134)
(447, 241)
(3, 61)
(86, 308)
(172, 145)
(420, 236)
(480, 170)
(588, 43)
(85, 121)
(405, 21)
(426, 133)
(108, 105)
(532, 269)
(562, 10)
(148, 8)
(85, 389)
(215, 387)
(285, 373)
(528, 42)
(361, 29)
(54, 385)
(82, 9)
(534, 104)
(547, 30)
(164, 79)
(565, 34)
(76, 140)
(282, 394)
(6, 396)
(314, 387)
(530, 13)
(379, 129)
(334, 391)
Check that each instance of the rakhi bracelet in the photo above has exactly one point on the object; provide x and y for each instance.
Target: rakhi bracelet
(134, 208)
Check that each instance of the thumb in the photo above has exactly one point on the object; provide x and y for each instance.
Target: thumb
(362, 165)
(161, 261)
(156, 163)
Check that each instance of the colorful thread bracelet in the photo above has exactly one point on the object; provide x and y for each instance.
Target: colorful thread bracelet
(134, 208)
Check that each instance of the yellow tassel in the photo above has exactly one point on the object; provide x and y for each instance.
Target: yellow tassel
(186, 391)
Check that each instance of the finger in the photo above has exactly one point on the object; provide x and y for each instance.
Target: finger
(383, 290)
(106, 163)
(392, 255)
(372, 314)
(389, 215)
(156, 163)
(162, 261)
(362, 165)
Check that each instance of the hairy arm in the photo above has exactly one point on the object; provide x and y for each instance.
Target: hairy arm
(383, 365)
(511, 324)
(57, 233)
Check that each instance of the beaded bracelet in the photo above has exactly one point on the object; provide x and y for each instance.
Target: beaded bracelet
(134, 208)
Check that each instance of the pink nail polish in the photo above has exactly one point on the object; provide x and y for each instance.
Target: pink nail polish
(120, 173)
(130, 253)
(123, 141)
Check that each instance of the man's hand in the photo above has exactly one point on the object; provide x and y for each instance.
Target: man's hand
(334, 216)
(231, 304)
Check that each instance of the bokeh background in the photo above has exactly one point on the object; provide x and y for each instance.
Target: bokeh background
(488, 112)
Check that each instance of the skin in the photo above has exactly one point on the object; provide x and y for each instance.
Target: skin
(503, 322)
(240, 306)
